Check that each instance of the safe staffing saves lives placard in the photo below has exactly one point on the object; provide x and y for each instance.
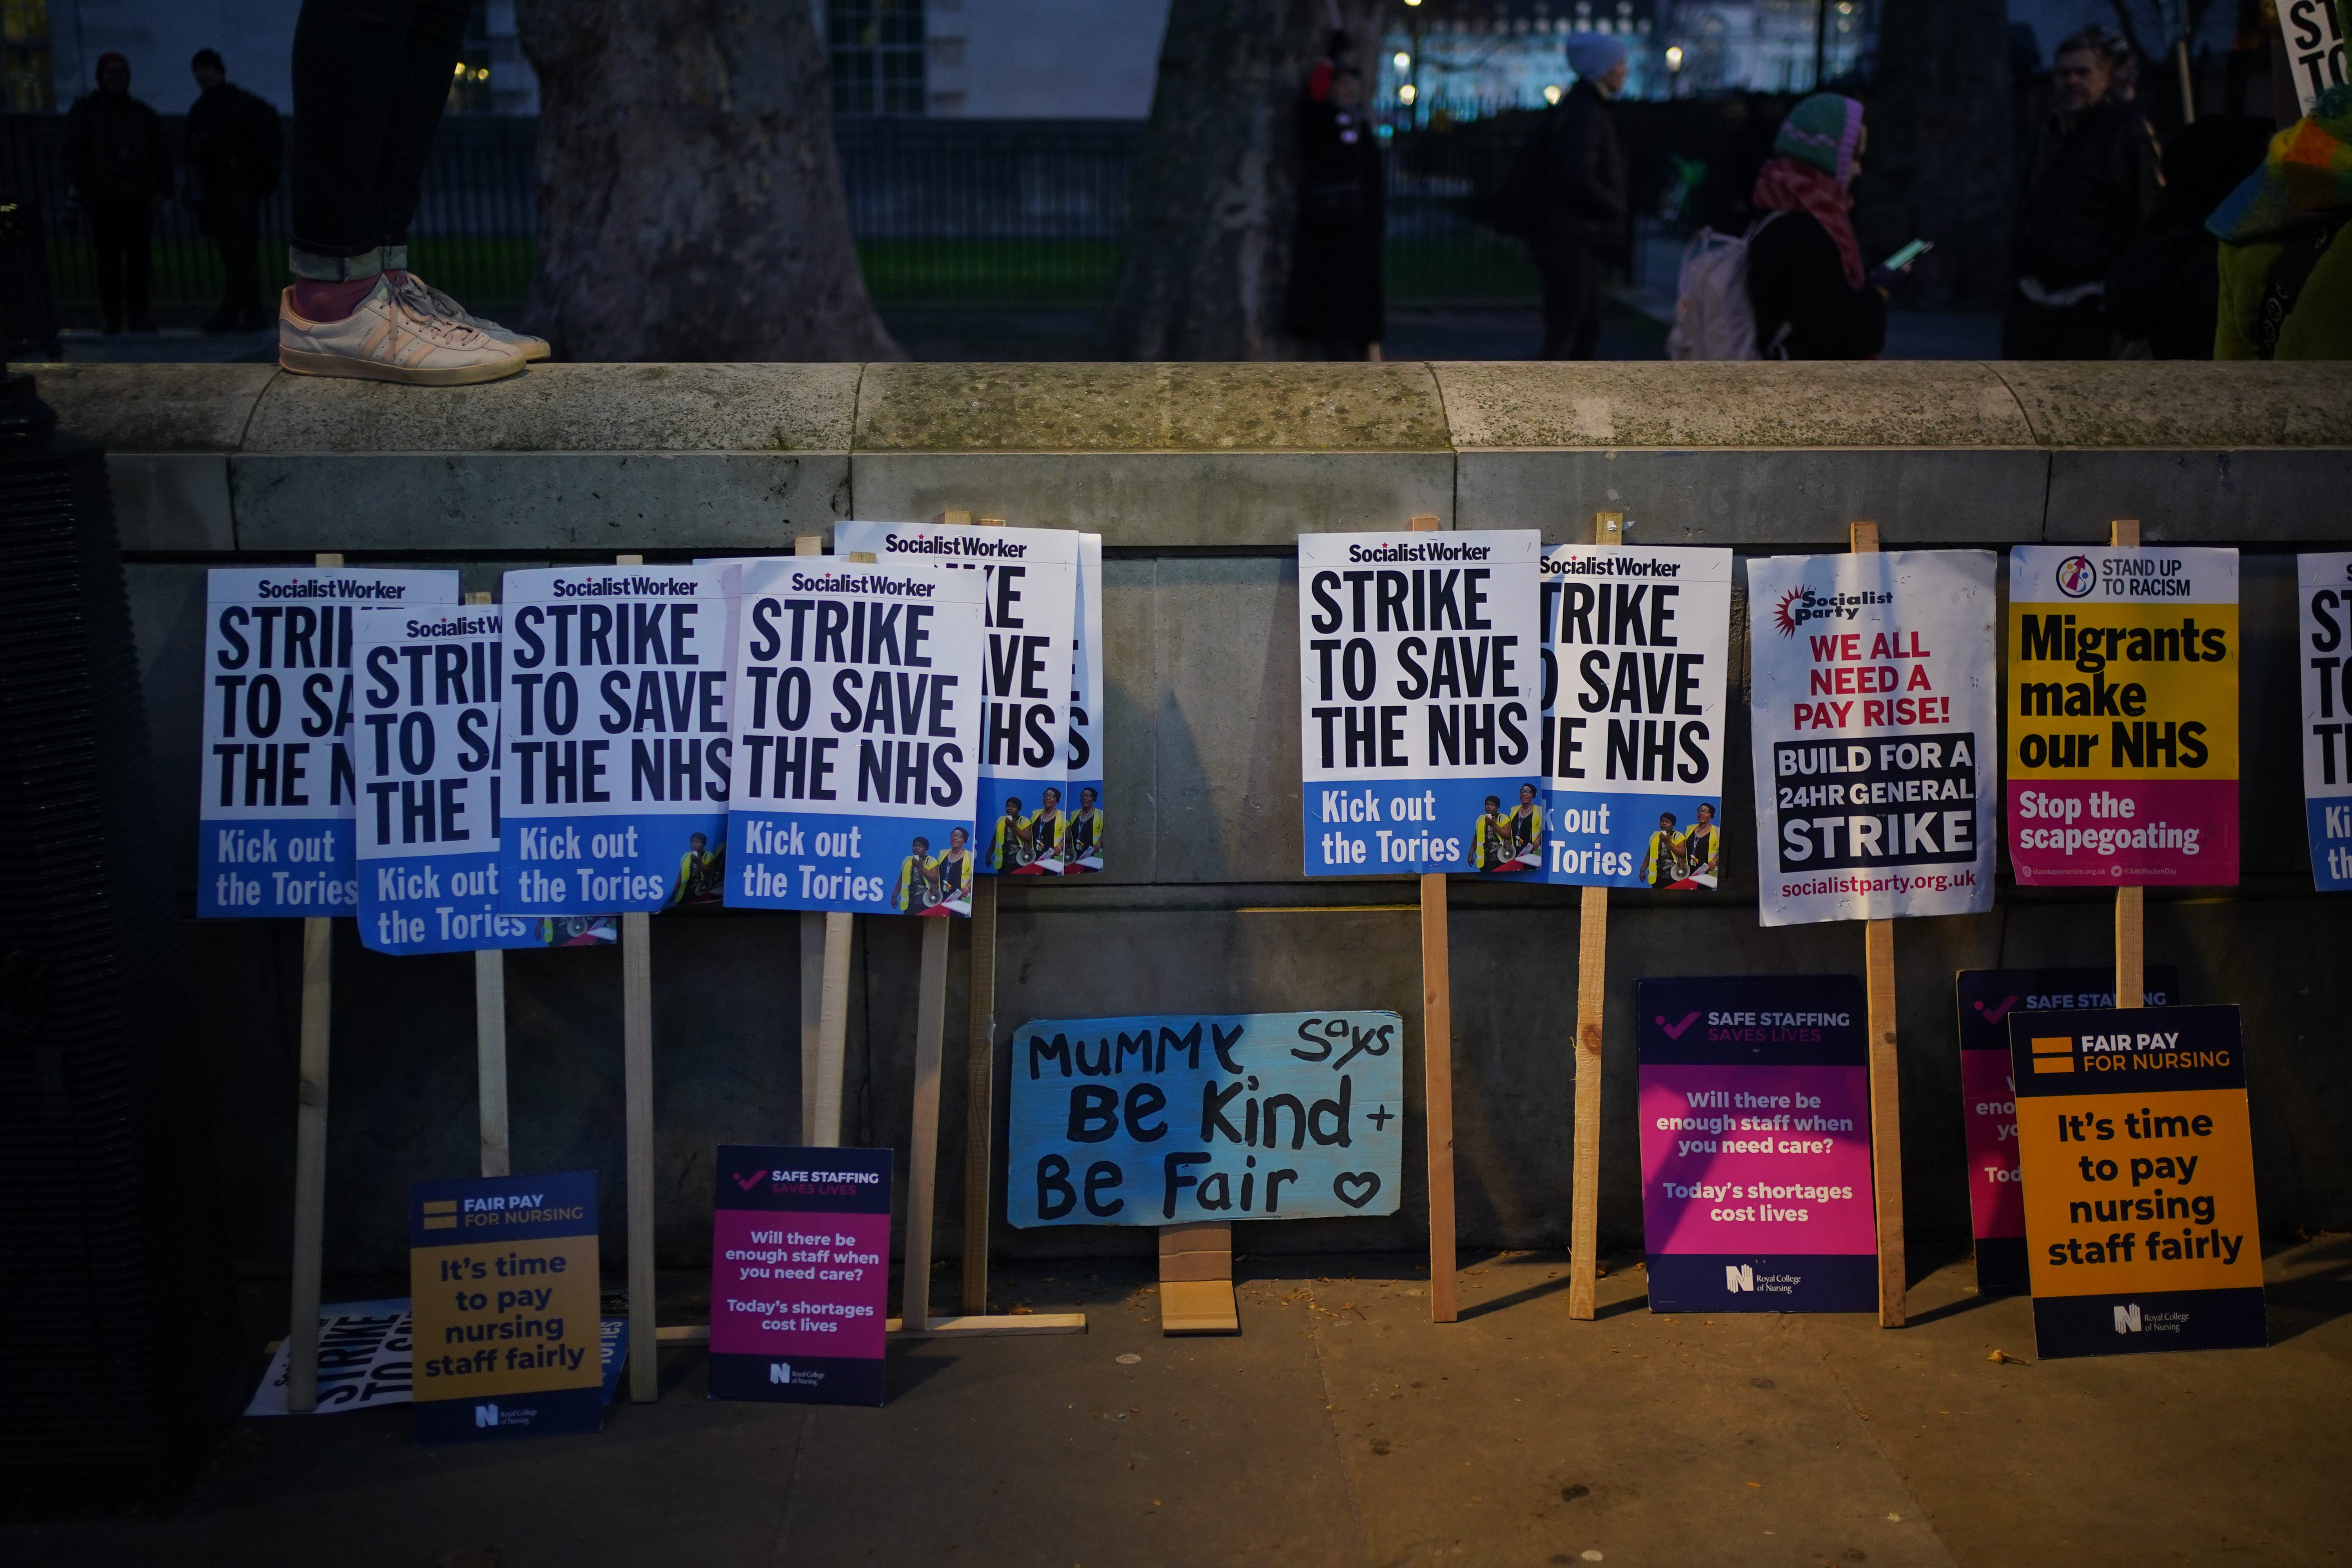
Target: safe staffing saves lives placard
(1635, 665)
(857, 729)
(2324, 590)
(1874, 746)
(2123, 718)
(799, 1274)
(278, 788)
(1420, 680)
(2137, 1151)
(1755, 1105)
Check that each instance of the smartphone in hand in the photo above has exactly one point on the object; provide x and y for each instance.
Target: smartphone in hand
(1907, 255)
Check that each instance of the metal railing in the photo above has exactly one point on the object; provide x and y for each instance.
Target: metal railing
(973, 213)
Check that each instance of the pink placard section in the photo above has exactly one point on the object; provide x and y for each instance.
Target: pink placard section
(1756, 1160)
(790, 1284)
(1989, 1115)
(2123, 833)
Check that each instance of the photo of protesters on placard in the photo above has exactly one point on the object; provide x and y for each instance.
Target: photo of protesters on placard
(701, 873)
(1702, 851)
(1662, 861)
(578, 930)
(1490, 839)
(1082, 838)
(1526, 827)
(1508, 843)
(1008, 841)
(917, 891)
(1045, 833)
(952, 875)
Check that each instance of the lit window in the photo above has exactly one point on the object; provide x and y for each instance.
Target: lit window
(27, 83)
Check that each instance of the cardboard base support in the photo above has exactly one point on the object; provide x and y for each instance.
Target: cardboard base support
(1196, 1280)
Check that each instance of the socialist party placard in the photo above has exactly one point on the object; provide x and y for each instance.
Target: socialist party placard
(1029, 598)
(1756, 1180)
(502, 1272)
(424, 749)
(2123, 717)
(614, 762)
(1082, 832)
(1173, 1118)
(2323, 589)
(1420, 685)
(1636, 644)
(2136, 1146)
(799, 1274)
(856, 732)
(1873, 690)
(1988, 999)
(276, 787)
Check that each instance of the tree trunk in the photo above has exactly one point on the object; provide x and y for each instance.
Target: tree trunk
(1941, 164)
(691, 203)
(1213, 200)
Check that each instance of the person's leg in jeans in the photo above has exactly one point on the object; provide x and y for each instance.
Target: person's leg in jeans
(435, 41)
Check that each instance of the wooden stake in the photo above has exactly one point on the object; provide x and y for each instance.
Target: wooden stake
(1591, 999)
(1437, 1072)
(812, 958)
(637, 1112)
(1885, 1097)
(311, 1151)
(2131, 903)
(490, 1058)
(980, 1093)
(832, 1028)
(923, 1153)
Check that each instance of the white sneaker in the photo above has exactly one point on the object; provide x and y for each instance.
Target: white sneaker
(425, 296)
(387, 339)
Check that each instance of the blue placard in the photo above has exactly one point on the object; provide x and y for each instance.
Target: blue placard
(1186, 1118)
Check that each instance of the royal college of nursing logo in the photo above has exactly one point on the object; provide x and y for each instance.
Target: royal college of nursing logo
(2077, 576)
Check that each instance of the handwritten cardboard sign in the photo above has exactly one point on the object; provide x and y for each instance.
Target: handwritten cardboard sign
(1182, 1117)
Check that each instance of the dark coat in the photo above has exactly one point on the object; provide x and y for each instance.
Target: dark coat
(1336, 294)
(1795, 276)
(114, 149)
(2090, 191)
(1585, 192)
(233, 146)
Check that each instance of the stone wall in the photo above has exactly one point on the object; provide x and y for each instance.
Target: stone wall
(1199, 477)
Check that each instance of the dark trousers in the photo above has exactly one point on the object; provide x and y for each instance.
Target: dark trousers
(2079, 330)
(125, 262)
(1570, 271)
(234, 223)
(371, 79)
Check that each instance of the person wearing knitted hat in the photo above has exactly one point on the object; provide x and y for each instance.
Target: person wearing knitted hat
(1581, 196)
(2286, 271)
(1805, 277)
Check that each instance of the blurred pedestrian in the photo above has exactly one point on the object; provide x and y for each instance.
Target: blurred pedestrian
(1582, 197)
(369, 83)
(233, 148)
(1336, 297)
(2090, 191)
(1805, 278)
(2162, 293)
(121, 175)
(2286, 271)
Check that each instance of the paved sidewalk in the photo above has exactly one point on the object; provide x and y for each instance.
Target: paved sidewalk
(1341, 1427)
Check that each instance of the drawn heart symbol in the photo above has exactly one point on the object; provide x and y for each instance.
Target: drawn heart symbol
(1347, 1185)
(1677, 1031)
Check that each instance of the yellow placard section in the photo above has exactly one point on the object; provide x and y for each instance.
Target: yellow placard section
(2122, 692)
(517, 1317)
(2138, 1192)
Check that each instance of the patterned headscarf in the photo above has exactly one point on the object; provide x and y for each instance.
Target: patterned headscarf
(2306, 177)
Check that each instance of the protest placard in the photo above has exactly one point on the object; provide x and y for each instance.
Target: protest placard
(613, 760)
(1420, 685)
(365, 1350)
(2324, 590)
(2137, 1148)
(1873, 733)
(277, 785)
(503, 1273)
(1635, 660)
(2123, 732)
(857, 736)
(1756, 1176)
(1082, 835)
(1030, 601)
(427, 686)
(799, 1274)
(2315, 48)
(1182, 1117)
(1988, 998)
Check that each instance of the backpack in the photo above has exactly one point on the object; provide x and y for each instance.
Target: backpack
(1517, 207)
(1713, 318)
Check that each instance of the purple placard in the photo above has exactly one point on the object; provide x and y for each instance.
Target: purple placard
(799, 1274)
(1756, 1180)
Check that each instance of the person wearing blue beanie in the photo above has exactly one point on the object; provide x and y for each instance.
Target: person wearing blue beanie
(1593, 56)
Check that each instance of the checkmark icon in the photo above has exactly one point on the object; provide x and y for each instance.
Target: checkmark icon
(1677, 1031)
(1995, 1015)
(753, 1180)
